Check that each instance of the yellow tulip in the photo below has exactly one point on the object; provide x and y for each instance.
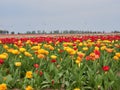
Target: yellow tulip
(69, 50)
(0, 41)
(3, 56)
(5, 47)
(22, 49)
(103, 48)
(46, 52)
(85, 48)
(45, 46)
(116, 58)
(17, 64)
(10, 50)
(73, 52)
(41, 51)
(117, 54)
(80, 44)
(53, 56)
(3, 86)
(51, 47)
(77, 89)
(35, 47)
(96, 48)
(27, 54)
(41, 56)
(15, 52)
(80, 54)
(28, 74)
(28, 88)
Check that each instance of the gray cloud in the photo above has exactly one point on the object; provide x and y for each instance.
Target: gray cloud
(59, 14)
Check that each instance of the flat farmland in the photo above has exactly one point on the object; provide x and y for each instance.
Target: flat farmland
(47, 35)
(60, 61)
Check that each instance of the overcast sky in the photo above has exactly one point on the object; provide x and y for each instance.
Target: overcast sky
(29, 15)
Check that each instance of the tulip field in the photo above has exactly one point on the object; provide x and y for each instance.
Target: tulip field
(77, 62)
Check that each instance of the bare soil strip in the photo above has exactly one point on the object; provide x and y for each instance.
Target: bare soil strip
(47, 35)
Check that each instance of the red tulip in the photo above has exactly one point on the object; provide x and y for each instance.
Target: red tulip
(52, 82)
(74, 44)
(75, 48)
(97, 52)
(61, 51)
(36, 65)
(41, 73)
(88, 58)
(36, 71)
(53, 60)
(106, 68)
(1, 61)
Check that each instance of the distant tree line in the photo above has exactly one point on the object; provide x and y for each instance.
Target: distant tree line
(115, 31)
(4, 32)
(67, 32)
(59, 32)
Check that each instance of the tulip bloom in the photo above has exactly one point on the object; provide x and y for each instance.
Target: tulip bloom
(97, 52)
(1, 61)
(3, 86)
(41, 73)
(116, 58)
(53, 56)
(52, 82)
(17, 64)
(53, 60)
(28, 88)
(36, 65)
(105, 68)
(29, 74)
(77, 89)
(61, 51)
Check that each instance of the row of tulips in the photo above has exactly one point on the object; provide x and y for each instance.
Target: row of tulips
(63, 63)
(60, 38)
